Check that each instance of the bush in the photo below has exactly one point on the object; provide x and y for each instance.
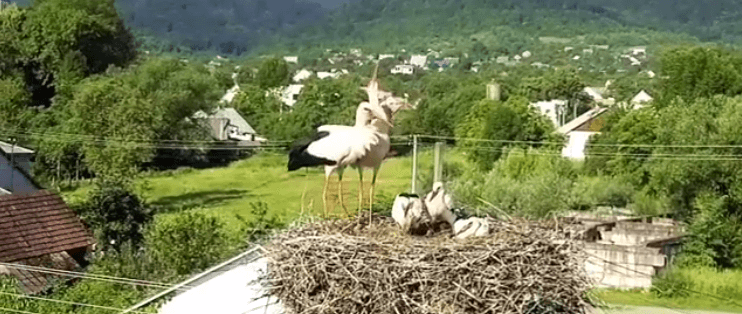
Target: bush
(116, 215)
(671, 284)
(190, 241)
(649, 204)
(590, 192)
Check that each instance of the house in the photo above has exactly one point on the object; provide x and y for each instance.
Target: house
(517, 58)
(587, 51)
(15, 166)
(39, 229)
(419, 61)
(290, 94)
(231, 93)
(302, 75)
(403, 69)
(638, 50)
(640, 99)
(324, 75)
(227, 124)
(386, 56)
(579, 130)
(502, 59)
(356, 52)
(291, 59)
(526, 54)
(552, 109)
(236, 286)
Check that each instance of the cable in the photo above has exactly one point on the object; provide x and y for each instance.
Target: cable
(105, 278)
(16, 311)
(70, 303)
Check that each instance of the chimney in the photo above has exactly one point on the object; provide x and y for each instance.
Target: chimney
(493, 91)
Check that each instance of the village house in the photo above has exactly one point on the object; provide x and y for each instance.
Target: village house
(420, 61)
(324, 75)
(579, 131)
(226, 124)
(56, 239)
(403, 69)
(640, 99)
(15, 169)
(230, 94)
(553, 109)
(290, 94)
(291, 59)
(386, 56)
(303, 74)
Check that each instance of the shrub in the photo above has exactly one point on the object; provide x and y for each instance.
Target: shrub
(116, 215)
(671, 284)
(590, 192)
(190, 241)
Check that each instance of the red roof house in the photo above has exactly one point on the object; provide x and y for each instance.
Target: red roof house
(40, 230)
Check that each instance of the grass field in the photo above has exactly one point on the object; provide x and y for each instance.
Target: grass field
(717, 291)
(230, 190)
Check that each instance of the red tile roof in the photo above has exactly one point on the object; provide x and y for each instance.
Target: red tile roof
(37, 224)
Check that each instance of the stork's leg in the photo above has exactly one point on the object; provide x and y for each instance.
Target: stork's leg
(371, 194)
(360, 190)
(340, 190)
(324, 196)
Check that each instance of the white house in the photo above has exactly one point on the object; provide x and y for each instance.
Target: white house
(15, 165)
(231, 93)
(290, 94)
(291, 59)
(526, 54)
(502, 59)
(324, 75)
(236, 286)
(227, 124)
(551, 109)
(303, 74)
(419, 60)
(386, 56)
(578, 132)
(640, 99)
(403, 69)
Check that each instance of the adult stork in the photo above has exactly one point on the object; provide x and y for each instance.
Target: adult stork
(363, 145)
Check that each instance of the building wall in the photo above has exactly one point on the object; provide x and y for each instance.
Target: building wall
(575, 148)
(20, 183)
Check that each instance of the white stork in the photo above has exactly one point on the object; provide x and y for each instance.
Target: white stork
(337, 146)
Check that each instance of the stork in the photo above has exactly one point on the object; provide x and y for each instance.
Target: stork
(338, 146)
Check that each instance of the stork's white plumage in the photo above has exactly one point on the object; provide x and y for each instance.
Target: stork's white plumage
(418, 216)
(363, 145)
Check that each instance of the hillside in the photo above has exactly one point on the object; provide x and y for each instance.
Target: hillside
(238, 27)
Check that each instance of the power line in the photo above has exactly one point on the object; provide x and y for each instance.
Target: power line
(70, 302)
(112, 279)
(16, 311)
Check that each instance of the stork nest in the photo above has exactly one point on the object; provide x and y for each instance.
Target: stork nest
(345, 266)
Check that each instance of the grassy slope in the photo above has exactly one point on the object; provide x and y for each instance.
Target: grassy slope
(726, 284)
(230, 190)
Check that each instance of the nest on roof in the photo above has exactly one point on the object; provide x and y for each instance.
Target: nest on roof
(345, 266)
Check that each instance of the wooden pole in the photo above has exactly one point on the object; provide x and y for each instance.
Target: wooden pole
(438, 170)
(414, 164)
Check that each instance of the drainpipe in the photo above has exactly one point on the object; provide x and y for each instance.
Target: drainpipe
(12, 164)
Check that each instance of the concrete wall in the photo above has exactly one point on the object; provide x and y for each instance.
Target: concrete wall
(614, 266)
(637, 233)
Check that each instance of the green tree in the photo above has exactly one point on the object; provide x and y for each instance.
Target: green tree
(116, 214)
(272, 73)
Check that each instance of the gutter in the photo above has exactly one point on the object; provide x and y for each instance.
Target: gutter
(190, 280)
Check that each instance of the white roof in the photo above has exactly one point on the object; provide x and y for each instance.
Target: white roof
(641, 97)
(571, 125)
(385, 56)
(419, 60)
(596, 93)
(229, 96)
(323, 75)
(302, 75)
(7, 148)
(291, 59)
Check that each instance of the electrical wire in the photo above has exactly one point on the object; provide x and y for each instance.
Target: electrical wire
(105, 278)
(16, 311)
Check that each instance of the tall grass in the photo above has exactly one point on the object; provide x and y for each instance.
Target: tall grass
(721, 283)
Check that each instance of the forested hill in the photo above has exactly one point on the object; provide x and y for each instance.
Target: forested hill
(236, 27)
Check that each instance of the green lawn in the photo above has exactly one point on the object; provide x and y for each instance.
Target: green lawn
(725, 285)
(230, 190)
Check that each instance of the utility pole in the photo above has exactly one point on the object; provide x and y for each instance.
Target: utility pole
(414, 164)
(438, 170)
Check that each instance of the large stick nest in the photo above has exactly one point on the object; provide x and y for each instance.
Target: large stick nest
(348, 267)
